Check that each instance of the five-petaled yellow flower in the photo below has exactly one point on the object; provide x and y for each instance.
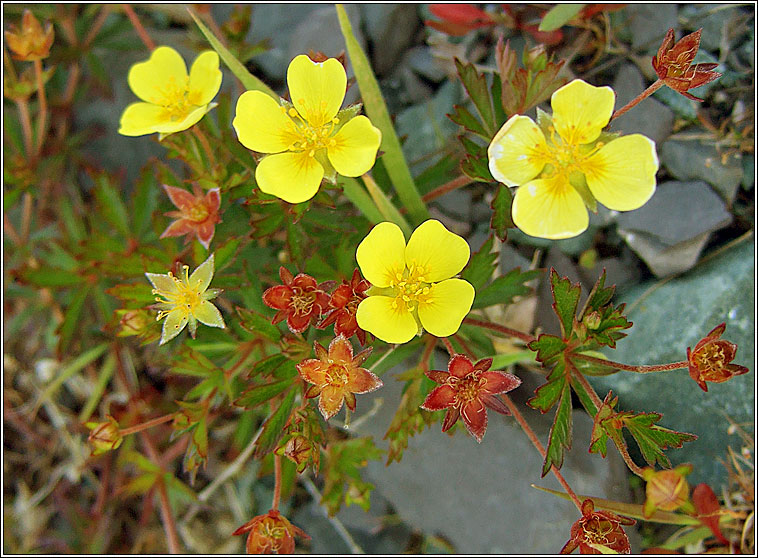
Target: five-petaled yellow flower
(412, 286)
(185, 300)
(574, 167)
(307, 140)
(173, 100)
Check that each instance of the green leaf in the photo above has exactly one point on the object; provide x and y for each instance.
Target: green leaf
(505, 288)
(566, 297)
(111, 205)
(259, 394)
(342, 474)
(386, 208)
(225, 253)
(559, 15)
(71, 319)
(361, 199)
(477, 168)
(548, 347)
(255, 323)
(376, 110)
(599, 296)
(464, 118)
(191, 362)
(501, 219)
(73, 223)
(268, 365)
(476, 87)
(250, 82)
(48, 277)
(560, 433)
(273, 427)
(409, 419)
(481, 265)
(653, 439)
(548, 393)
(138, 294)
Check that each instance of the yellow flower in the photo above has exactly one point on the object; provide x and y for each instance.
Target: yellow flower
(310, 139)
(173, 100)
(573, 168)
(411, 285)
(185, 300)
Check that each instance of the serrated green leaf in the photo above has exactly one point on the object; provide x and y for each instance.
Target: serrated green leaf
(481, 265)
(505, 288)
(73, 223)
(250, 82)
(140, 294)
(71, 318)
(653, 439)
(192, 363)
(342, 474)
(476, 87)
(463, 117)
(255, 323)
(376, 110)
(273, 427)
(49, 277)
(501, 219)
(111, 205)
(559, 15)
(560, 433)
(547, 347)
(548, 393)
(599, 296)
(566, 299)
(477, 168)
(259, 394)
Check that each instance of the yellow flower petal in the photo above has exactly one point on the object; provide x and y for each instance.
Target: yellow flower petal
(581, 111)
(549, 208)
(381, 255)
(317, 89)
(262, 125)
(392, 325)
(621, 175)
(208, 314)
(192, 118)
(139, 119)
(445, 307)
(162, 282)
(174, 324)
(204, 78)
(435, 253)
(165, 68)
(356, 144)
(293, 177)
(515, 152)
(201, 277)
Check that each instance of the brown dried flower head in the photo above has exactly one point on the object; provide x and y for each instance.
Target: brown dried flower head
(105, 436)
(31, 42)
(270, 533)
(673, 64)
(710, 360)
(598, 532)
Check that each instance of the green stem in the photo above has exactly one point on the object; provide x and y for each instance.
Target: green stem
(640, 369)
(376, 110)
(42, 116)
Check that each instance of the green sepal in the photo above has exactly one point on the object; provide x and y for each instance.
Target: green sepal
(579, 182)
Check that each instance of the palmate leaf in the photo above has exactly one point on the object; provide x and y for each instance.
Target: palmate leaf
(505, 288)
(608, 320)
(653, 439)
(566, 300)
(548, 393)
(476, 87)
(547, 347)
(560, 432)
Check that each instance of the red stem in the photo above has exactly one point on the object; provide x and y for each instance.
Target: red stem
(641, 97)
(167, 518)
(640, 369)
(525, 337)
(42, 116)
(448, 346)
(540, 448)
(454, 184)
(138, 27)
(424, 362)
(146, 425)
(277, 481)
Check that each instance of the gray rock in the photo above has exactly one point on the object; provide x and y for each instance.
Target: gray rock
(423, 62)
(478, 496)
(694, 160)
(667, 320)
(648, 23)
(650, 118)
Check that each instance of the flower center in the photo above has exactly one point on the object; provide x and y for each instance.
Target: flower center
(596, 530)
(562, 157)
(411, 288)
(310, 138)
(302, 301)
(336, 375)
(710, 358)
(176, 99)
(468, 388)
(185, 297)
(198, 212)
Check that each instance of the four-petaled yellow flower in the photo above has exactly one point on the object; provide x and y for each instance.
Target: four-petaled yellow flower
(573, 167)
(412, 286)
(307, 140)
(173, 100)
(185, 300)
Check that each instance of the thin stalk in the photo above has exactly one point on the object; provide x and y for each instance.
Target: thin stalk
(26, 125)
(96, 25)
(277, 482)
(525, 337)
(639, 98)
(206, 146)
(448, 346)
(146, 425)
(640, 369)
(454, 184)
(42, 116)
(428, 348)
(540, 448)
(167, 517)
(138, 27)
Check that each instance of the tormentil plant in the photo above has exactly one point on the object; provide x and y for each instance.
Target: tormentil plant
(326, 241)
